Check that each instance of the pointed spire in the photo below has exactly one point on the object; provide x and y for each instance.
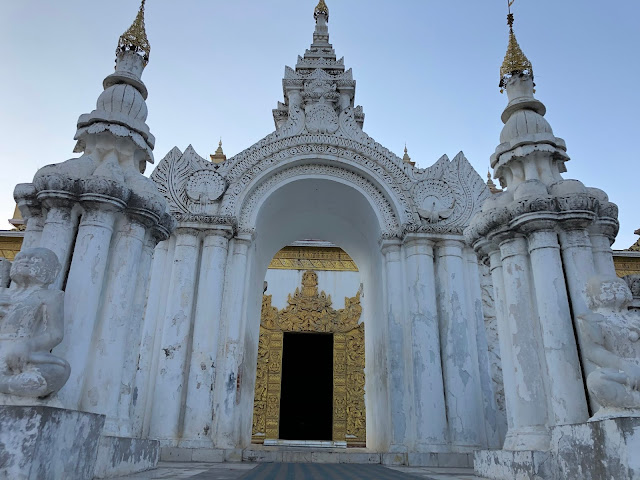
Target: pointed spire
(219, 156)
(406, 158)
(135, 38)
(515, 61)
(321, 9)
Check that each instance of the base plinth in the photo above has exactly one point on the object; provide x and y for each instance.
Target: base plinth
(597, 450)
(119, 456)
(46, 443)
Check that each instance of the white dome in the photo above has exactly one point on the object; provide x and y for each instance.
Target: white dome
(124, 99)
(522, 123)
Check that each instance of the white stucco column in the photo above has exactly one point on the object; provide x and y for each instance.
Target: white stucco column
(129, 393)
(457, 338)
(401, 399)
(530, 406)
(564, 377)
(504, 338)
(33, 232)
(198, 417)
(428, 398)
(115, 322)
(31, 210)
(493, 427)
(84, 291)
(150, 326)
(229, 347)
(577, 257)
(171, 381)
(59, 231)
(154, 320)
(602, 253)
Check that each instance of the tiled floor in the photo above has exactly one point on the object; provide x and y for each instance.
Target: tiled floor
(235, 471)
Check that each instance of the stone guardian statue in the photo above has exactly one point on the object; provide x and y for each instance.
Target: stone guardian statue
(611, 335)
(31, 325)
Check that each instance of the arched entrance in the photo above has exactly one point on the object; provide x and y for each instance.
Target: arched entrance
(334, 209)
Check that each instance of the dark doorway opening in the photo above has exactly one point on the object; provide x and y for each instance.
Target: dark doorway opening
(306, 399)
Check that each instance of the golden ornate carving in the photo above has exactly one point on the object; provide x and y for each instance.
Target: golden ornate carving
(321, 8)
(10, 246)
(626, 266)
(515, 61)
(313, 258)
(135, 38)
(310, 311)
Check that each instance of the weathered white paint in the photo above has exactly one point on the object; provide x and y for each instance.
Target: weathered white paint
(431, 432)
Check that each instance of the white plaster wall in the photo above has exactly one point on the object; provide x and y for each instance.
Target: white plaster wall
(337, 284)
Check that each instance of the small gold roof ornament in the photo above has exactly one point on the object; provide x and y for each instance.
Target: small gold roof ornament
(515, 61)
(135, 38)
(406, 158)
(491, 184)
(321, 8)
(219, 156)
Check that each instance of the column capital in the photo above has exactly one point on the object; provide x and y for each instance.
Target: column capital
(416, 244)
(450, 248)
(187, 232)
(225, 231)
(513, 247)
(390, 245)
(543, 239)
(573, 238)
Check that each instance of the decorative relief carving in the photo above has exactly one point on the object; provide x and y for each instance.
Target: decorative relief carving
(204, 187)
(310, 311)
(189, 183)
(391, 224)
(316, 258)
(434, 200)
(321, 118)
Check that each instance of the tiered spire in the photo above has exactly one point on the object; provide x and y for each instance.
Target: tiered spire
(515, 61)
(406, 158)
(135, 38)
(219, 156)
(121, 109)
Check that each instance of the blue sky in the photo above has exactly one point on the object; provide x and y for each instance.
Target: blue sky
(427, 74)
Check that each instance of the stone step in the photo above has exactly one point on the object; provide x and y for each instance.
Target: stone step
(266, 454)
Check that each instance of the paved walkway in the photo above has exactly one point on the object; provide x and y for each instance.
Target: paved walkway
(297, 471)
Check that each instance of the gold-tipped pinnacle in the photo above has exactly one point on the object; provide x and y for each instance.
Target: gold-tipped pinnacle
(515, 61)
(135, 38)
(321, 8)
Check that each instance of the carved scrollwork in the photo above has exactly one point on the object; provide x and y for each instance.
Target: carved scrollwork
(434, 200)
(189, 183)
(321, 118)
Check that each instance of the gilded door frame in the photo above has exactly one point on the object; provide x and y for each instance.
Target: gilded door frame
(310, 311)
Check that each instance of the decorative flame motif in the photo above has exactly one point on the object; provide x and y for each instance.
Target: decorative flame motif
(321, 8)
(515, 61)
(135, 38)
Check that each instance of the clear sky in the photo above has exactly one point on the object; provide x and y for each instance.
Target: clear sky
(427, 73)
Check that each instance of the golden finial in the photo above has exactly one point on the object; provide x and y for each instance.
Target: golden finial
(491, 185)
(406, 158)
(321, 8)
(135, 38)
(515, 61)
(219, 156)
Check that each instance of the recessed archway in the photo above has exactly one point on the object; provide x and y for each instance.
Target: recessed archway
(337, 211)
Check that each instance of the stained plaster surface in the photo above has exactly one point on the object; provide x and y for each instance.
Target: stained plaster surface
(233, 471)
